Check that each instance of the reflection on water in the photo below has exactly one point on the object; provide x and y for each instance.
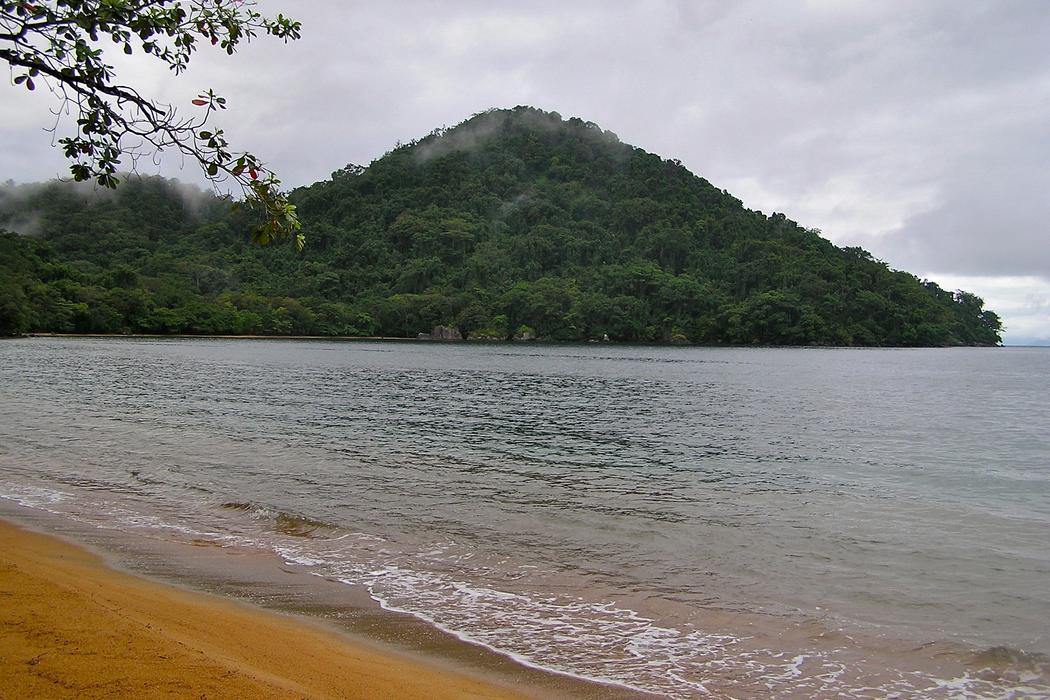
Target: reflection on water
(676, 519)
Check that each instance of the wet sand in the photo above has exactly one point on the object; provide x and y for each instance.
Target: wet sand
(72, 627)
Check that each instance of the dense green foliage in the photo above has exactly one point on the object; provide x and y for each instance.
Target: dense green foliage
(513, 221)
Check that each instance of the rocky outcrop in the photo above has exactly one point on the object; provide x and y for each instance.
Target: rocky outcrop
(445, 333)
(525, 333)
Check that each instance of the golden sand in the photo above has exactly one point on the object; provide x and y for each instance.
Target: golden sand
(70, 627)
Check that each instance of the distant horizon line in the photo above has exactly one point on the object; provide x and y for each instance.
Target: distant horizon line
(1027, 342)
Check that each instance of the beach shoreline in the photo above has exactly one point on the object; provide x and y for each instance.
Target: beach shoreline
(575, 524)
(74, 626)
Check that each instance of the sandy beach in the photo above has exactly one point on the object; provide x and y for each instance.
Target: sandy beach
(72, 627)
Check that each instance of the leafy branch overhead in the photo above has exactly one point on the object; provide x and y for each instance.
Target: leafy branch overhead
(62, 44)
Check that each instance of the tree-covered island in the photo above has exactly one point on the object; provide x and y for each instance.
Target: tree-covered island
(513, 223)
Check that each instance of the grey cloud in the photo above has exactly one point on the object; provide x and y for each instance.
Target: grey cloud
(989, 222)
(915, 129)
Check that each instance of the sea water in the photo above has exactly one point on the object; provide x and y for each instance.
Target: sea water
(684, 521)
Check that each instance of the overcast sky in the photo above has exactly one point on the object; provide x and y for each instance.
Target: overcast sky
(919, 130)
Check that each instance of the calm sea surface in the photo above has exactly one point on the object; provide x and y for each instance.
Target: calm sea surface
(797, 523)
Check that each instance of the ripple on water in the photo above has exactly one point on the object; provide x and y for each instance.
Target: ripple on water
(665, 518)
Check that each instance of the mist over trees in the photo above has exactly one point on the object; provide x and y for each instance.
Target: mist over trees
(515, 222)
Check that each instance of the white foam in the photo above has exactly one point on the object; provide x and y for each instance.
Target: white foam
(601, 641)
(34, 496)
(596, 640)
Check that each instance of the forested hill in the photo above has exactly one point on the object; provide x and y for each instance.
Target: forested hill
(513, 223)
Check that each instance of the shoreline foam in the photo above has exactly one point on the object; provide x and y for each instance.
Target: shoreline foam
(803, 660)
(73, 627)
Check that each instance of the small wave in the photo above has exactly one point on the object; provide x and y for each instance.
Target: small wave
(300, 525)
(244, 507)
(1001, 664)
(613, 644)
(284, 522)
(590, 639)
(33, 496)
